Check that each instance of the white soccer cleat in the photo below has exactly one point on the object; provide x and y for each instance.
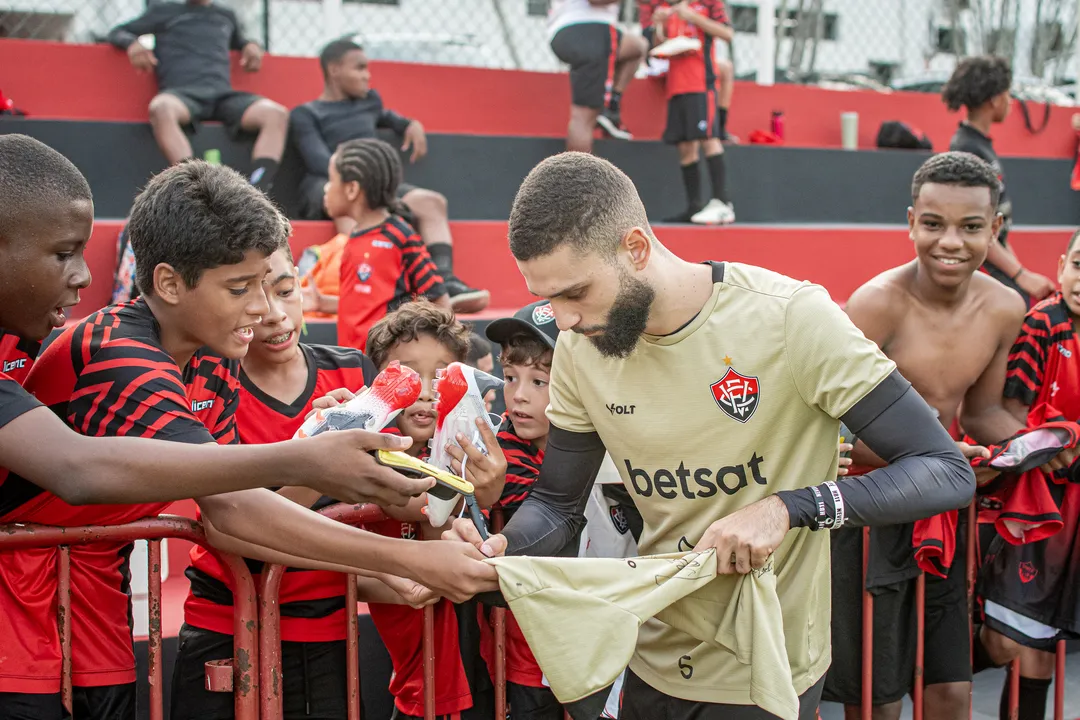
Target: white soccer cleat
(716, 212)
(677, 45)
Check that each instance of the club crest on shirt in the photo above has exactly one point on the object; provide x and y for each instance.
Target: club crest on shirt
(1027, 572)
(736, 394)
(618, 519)
(363, 272)
(543, 314)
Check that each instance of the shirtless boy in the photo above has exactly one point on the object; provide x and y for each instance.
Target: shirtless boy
(949, 329)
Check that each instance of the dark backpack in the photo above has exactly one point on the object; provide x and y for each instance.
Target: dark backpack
(901, 136)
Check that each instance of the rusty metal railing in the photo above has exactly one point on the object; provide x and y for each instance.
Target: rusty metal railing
(239, 676)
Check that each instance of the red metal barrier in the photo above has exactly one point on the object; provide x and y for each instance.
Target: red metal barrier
(270, 622)
(245, 665)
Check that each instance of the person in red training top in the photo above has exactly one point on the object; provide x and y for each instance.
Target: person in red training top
(690, 29)
(527, 342)
(384, 263)
(427, 338)
(949, 329)
(1029, 606)
(45, 221)
(279, 378)
(161, 366)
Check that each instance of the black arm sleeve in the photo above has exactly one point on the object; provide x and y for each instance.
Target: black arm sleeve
(554, 513)
(309, 141)
(394, 121)
(150, 22)
(925, 475)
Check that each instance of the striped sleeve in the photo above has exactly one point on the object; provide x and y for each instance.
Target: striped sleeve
(1027, 359)
(212, 384)
(421, 275)
(522, 470)
(130, 388)
(718, 12)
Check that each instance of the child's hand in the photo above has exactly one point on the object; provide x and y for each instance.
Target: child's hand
(330, 399)
(845, 462)
(487, 473)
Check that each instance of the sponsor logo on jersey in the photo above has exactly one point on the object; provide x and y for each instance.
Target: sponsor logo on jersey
(1064, 350)
(737, 395)
(10, 365)
(408, 531)
(692, 483)
(543, 314)
(384, 244)
(200, 405)
(1027, 572)
(620, 409)
(618, 519)
(363, 272)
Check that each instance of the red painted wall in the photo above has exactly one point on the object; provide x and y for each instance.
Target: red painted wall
(841, 260)
(96, 82)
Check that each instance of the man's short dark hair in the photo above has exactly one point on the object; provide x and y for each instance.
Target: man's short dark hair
(1072, 241)
(34, 177)
(410, 321)
(575, 199)
(336, 50)
(196, 216)
(976, 81)
(957, 168)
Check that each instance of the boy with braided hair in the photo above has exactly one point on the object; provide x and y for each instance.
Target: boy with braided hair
(384, 263)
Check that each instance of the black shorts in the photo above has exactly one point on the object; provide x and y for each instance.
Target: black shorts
(692, 116)
(314, 678)
(311, 194)
(590, 49)
(109, 702)
(641, 701)
(1034, 589)
(226, 107)
(532, 703)
(947, 648)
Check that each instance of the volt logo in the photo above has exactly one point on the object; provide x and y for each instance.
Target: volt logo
(621, 409)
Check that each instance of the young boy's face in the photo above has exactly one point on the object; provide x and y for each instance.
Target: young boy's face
(526, 396)
(425, 355)
(225, 307)
(277, 336)
(42, 269)
(952, 228)
(1069, 278)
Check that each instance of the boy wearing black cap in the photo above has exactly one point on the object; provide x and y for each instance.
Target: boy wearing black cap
(527, 342)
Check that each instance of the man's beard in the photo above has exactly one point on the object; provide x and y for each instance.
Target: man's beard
(626, 320)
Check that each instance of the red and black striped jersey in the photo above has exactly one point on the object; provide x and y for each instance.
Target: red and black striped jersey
(382, 268)
(690, 72)
(1044, 363)
(109, 375)
(17, 355)
(523, 461)
(312, 602)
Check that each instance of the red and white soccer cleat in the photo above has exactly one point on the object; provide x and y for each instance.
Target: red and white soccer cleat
(459, 401)
(396, 388)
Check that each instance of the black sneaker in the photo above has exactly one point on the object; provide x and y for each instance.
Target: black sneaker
(611, 123)
(464, 299)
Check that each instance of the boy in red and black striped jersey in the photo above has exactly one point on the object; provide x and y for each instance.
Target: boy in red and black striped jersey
(527, 341)
(427, 339)
(692, 118)
(1028, 590)
(279, 379)
(384, 263)
(162, 366)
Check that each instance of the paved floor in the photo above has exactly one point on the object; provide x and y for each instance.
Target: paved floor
(988, 695)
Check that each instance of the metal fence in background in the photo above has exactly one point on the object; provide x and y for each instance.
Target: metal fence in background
(910, 44)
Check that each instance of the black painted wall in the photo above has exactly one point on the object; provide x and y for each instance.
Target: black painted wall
(479, 175)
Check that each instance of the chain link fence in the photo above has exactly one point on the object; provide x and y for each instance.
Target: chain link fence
(905, 44)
